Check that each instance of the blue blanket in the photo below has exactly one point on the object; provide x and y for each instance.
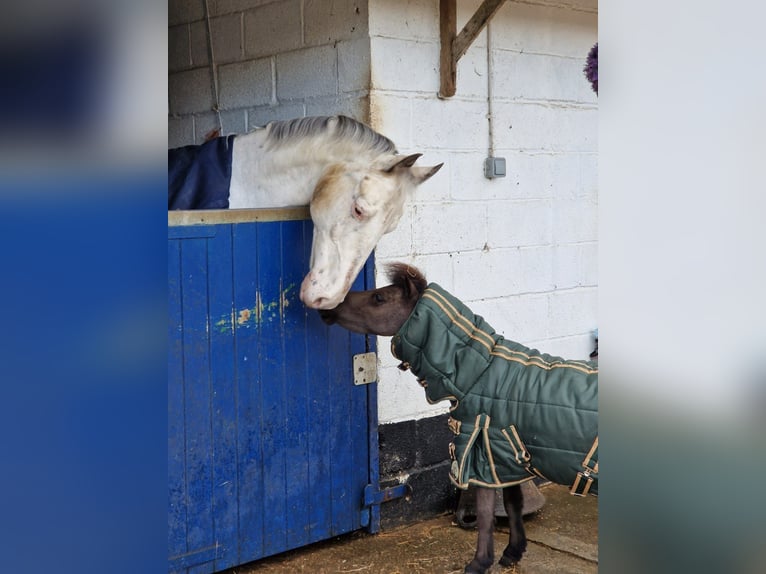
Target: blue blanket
(199, 175)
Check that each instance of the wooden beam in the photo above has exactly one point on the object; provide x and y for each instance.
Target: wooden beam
(474, 27)
(454, 45)
(447, 33)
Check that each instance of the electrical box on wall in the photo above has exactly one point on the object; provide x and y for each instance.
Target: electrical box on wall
(494, 167)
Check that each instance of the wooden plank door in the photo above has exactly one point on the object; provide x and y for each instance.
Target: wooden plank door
(268, 438)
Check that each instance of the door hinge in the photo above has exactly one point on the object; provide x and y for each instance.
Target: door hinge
(365, 368)
(373, 496)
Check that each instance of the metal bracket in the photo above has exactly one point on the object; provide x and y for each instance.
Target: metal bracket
(374, 496)
(365, 368)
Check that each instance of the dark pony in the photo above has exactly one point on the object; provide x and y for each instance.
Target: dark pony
(385, 311)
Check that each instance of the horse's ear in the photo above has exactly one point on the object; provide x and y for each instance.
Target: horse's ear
(420, 174)
(402, 162)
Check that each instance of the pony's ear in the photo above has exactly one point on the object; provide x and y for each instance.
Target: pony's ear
(414, 285)
(420, 174)
(400, 162)
(410, 288)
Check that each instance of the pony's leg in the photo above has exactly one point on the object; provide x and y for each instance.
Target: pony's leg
(485, 519)
(513, 500)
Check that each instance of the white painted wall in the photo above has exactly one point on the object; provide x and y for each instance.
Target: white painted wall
(522, 250)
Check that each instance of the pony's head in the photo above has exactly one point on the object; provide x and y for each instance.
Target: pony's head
(352, 208)
(380, 311)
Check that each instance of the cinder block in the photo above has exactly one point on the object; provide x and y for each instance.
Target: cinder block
(519, 223)
(200, 51)
(204, 125)
(190, 91)
(437, 267)
(185, 11)
(234, 122)
(354, 105)
(449, 227)
(227, 38)
(329, 22)
(179, 51)
(354, 65)
(218, 7)
(503, 272)
(393, 59)
(415, 19)
(529, 176)
(574, 311)
(557, 30)
(307, 73)
(476, 274)
(575, 265)
(564, 176)
(517, 318)
(180, 131)
(392, 116)
(540, 77)
(472, 74)
(398, 243)
(534, 126)
(404, 399)
(273, 29)
(245, 84)
(575, 220)
(467, 181)
(588, 174)
(449, 124)
(262, 115)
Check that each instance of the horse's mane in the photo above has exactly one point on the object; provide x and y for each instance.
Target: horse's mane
(337, 127)
(398, 273)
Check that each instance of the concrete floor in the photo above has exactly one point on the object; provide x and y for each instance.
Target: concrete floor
(562, 538)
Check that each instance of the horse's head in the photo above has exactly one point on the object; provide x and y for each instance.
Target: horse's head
(380, 311)
(353, 206)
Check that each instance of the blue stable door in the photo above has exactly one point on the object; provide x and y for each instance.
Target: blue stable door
(269, 439)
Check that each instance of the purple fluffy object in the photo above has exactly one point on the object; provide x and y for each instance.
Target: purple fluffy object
(591, 67)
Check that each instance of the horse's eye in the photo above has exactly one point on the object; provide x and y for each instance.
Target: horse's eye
(358, 212)
(378, 298)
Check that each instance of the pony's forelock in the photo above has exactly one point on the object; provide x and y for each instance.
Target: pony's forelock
(399, 273)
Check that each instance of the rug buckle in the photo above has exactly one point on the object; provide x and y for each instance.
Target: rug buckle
(584, 478)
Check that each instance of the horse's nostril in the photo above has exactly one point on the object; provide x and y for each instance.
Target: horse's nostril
(327, 316)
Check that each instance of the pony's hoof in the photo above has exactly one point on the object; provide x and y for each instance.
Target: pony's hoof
(507, 560)
(512, 554)
(475, 567)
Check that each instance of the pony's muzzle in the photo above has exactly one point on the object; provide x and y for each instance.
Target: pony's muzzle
(328, 316)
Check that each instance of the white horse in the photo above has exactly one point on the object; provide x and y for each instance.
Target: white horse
(352, 177)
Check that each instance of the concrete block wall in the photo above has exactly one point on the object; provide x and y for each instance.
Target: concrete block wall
(273, 59)
(520, 250)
